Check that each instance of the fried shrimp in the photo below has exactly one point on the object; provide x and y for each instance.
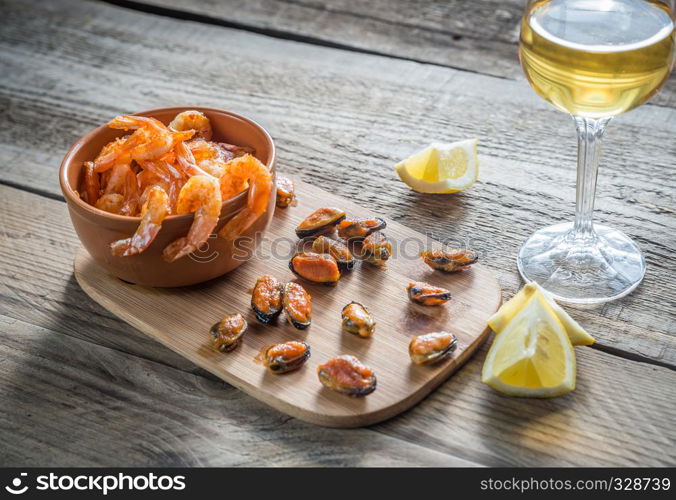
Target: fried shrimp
(201, 196)
(247, 169)
(155, 209)
(158, 170)
(192, 120)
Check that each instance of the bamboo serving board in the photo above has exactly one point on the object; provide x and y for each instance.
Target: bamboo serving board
(180, 319)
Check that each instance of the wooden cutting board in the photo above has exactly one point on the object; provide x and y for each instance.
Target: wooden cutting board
(180, 319)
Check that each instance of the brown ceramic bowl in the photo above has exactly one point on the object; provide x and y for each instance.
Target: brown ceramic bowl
(98, 229)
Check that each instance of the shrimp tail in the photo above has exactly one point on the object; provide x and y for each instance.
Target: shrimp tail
(91, 183)
(200, 195)
(131, 193)
(172, 250)
(134, 244)
(186, 160)
(203, 225)
(260, 190)
(153, 213)
(238, 224)
(117, 152)
(137, 243)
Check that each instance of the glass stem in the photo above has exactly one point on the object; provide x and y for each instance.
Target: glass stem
(589, 135)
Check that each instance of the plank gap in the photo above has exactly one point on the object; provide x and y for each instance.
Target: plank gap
(187, 15)
(379, 19)
(281, 34)
(630, 356)
(29, 189)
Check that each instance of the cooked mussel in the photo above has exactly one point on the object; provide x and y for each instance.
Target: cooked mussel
(376, 248)
(228, 333)
(297, 305)
(348, 375)
(355, 229)
(358, 320)
(266, 299)
(335, 249)
(286, 192)
(426, 294)
(451, 260)
(320, 221)
(431, 347)
(286, 357)
(317, 267)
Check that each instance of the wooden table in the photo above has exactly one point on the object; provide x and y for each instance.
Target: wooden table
(346, 89)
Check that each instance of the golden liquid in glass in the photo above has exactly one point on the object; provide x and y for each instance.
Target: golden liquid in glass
(597, 58)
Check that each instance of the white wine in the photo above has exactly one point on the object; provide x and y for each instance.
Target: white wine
(597, 58)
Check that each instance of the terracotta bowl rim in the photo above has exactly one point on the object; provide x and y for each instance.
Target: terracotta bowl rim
(69, 192)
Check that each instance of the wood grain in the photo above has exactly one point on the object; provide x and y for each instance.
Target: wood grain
(618, 415)
(70, 373)
(74, 380)
(341, 120)
(67, 402)
(180, 319)
(473, 36)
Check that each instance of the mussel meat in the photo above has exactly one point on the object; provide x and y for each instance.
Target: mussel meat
(358, 320)
(320, 221)
(348, 375)
(427, 295)
(431, 347)
(266, 299)
(355, 229)
(228, 333)
(335, 249)
(317, 267)
(297, 305)
(456, 259)
(286, 192)
(376, 248)
(283, 358)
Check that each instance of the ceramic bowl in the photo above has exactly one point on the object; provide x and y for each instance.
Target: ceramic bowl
(98, 229)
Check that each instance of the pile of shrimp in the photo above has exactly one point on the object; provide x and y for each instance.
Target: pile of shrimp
(158, 170)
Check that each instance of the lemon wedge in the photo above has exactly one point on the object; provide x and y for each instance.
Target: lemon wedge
(498, 322)
(441, 168)
(532, 356)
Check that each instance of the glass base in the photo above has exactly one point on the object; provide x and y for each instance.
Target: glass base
(599, 267)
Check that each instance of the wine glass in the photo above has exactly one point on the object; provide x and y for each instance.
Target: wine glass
(593, 59)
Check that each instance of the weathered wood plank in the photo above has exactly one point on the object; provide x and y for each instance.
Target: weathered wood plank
(466, 34)
(67, 402)
(37, 285)
(476, 296)
(611, 419)
(57, 362)
(79, 387)
(342, 120)
(476, 36)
